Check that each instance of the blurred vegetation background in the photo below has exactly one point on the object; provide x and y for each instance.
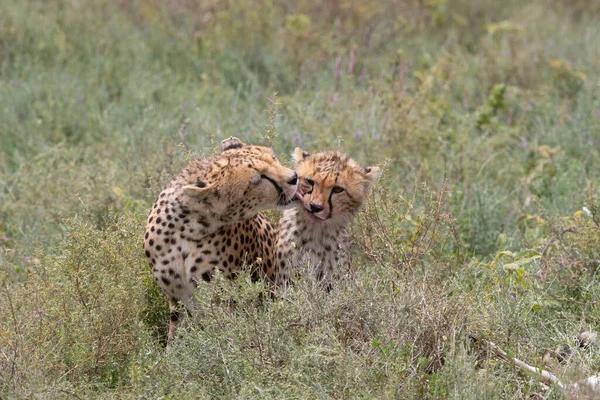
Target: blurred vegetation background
(484, 114)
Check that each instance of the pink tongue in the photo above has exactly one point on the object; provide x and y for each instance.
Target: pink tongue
(298, 195)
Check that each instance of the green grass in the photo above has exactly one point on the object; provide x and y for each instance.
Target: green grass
(484, 114)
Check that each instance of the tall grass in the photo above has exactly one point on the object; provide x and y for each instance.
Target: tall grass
(484, 114)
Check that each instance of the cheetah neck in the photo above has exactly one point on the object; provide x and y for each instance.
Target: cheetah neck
(198, 219)
(191, 220)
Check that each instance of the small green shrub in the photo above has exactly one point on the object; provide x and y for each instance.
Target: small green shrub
(83, 314)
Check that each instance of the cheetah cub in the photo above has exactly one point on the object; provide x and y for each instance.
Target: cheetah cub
(313, 235)
(208, 217)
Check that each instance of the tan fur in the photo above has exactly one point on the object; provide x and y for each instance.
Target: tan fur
(313, 235)
(209, 217)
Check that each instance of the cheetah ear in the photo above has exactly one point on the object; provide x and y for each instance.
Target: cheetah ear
(299, 155)
(199, 191)
(371, 173)
(231, 143)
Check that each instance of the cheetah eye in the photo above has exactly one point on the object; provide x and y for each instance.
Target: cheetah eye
(337, 189)
(309, 181)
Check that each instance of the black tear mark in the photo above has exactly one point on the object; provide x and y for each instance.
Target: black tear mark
(277, 187)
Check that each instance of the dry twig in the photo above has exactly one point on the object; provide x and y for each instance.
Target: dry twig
(588, 388)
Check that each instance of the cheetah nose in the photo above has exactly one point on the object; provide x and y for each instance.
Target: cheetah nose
(293, 180)
(315, 207)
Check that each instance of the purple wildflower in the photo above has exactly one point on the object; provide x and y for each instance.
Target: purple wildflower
(184, 105)
(352, 60)
(338, 72)
(358, 134)
(297, 140)
(512, 297)
(524, 143)
(26, 258)
(208, 17)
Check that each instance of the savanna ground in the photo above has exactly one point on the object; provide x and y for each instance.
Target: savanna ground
(485, 115)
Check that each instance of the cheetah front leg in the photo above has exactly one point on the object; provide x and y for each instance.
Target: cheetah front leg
(175, 317)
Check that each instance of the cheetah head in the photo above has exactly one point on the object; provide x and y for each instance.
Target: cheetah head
(332, 186)
(240, 182)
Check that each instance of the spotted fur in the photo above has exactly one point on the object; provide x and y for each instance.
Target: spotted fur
(313, 235)
(209, 218)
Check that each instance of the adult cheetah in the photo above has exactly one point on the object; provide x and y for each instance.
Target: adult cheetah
(209, 217)
(313, 234)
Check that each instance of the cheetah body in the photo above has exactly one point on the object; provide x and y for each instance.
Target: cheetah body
(209, 218)
(312, 236)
